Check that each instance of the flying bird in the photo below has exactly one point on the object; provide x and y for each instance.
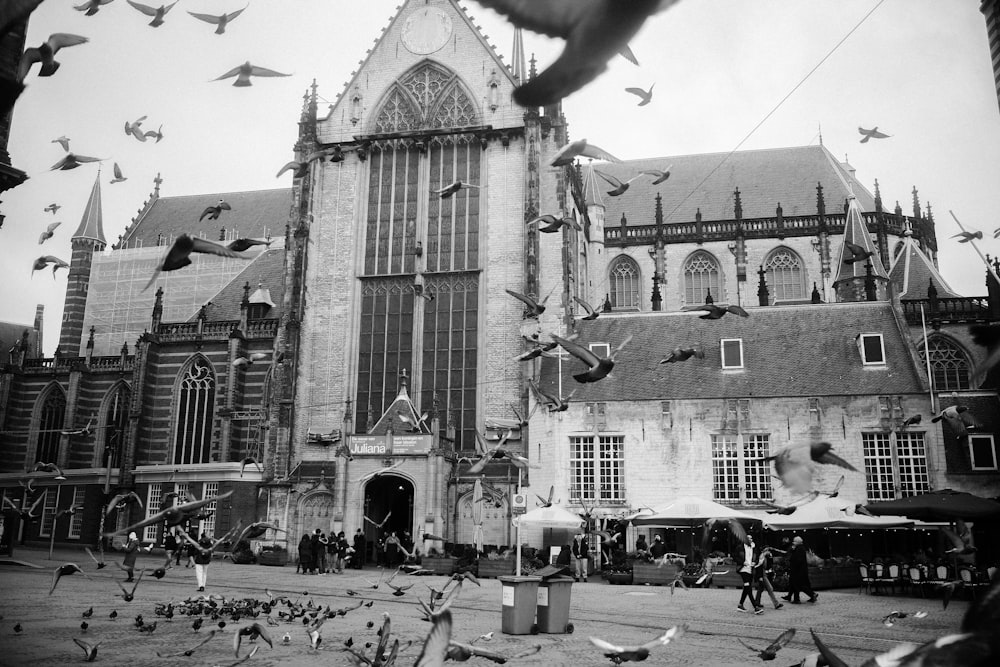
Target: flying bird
(155, 134)
(252, 632)
(453, 188)
(552, 402)
(592, 314)
(52, 208)
(380, 524)
(658, 176)
(683, 354)
(620, 654)
(858, 254)
(959, 418)
(911, 421)
(239, 245)
(220, 20)
(598, 367)
(965, 237)
(100, 563)
(988, 336)
(64, 571)
(554, 224)
(245, 71)
(134, 129)
(249, 361)
(620, 187)
(792, 464)
(547, 502)
(42, 262)
(72, 161)
(179, 254)
(594, 30)
(735, 527)
(249, 461)
(89, 650)
(416, 425)
(645, 96)
(121, 499)
(172, 516)
(580, 148)
(715, 311)
(213, 212)
(45, 54)
(64, 142)
(91, 7)
(960, 538)
(119, 177)
(435, 649)
(535, 308)
(49, 468)
(772, 649)
(156, 12)
(871, 134)
(48, 233)
(27, 513)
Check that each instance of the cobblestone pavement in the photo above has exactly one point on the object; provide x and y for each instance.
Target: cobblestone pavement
(848, 621)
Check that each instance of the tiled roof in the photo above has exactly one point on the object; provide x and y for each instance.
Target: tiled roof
(92, 223)
(764, 177)
(10, 333)
(266, 269)
(856, 232)
(254, 214)
(787, 351)
(912, 271)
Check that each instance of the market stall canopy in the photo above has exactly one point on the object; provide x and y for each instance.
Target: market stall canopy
(827, 512)
(690, 511)
(551, 517)
(944, 505)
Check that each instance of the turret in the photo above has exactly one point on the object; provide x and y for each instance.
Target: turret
(88, 239)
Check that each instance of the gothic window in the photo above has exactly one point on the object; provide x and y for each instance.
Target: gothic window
(50, 425)
(949, 365)
(428, 96)
(397, 114)
(425, 84)
(195, 401)
(386, 344)
(623, 277)
(784, 275)
(455, 109)
(701, 275)
(453, 223)
(115, 425)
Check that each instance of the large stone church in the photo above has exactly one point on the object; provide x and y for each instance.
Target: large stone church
(341, 376)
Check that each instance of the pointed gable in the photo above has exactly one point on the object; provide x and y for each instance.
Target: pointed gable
(913, 271)
(856, 232)
(591, 187)
(92, 224)
(391, 417)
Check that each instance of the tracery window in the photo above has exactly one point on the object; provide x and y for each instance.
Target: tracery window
(115, 425)
(50, 425)
(784, 275)
(949, 365)
(428, 96)
(623, 278)
(196, 398)
(701, 275)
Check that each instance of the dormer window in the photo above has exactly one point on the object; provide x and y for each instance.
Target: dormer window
(603, 350)
(872, 349)
(732, 353)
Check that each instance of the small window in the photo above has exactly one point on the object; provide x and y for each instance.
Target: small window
(666, 418)
(814, 408)
(601, 349)
(884, 408)
(983, 452)
(872, 349)
(732, 353)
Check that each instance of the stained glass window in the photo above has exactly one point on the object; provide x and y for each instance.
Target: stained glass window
(784, 275)
(196, 400)
(701, 274)
(623, 277)
(949, 365)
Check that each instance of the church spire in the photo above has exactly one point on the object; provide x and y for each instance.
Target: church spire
(518, 66)
(92, 224)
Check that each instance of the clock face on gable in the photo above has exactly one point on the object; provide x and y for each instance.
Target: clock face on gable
(426, 30)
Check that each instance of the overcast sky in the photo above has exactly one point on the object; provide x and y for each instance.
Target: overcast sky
(918, 69)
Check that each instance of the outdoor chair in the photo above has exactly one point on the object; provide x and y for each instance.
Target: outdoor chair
(969, 579)
(867, 581)
(889, 575)
(917, 580)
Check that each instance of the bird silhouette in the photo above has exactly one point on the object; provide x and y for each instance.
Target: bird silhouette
(715, 311)
(546, 502)
(252, 632)
(49, 468)
(179, 254)
(255, 530)
(119, 177)
(64, 571)
(871, 134)
(679, 354)
(988, 336)
(245, 71)
(658, 176)
(134, 129)
(959, 418)
(792, 464)
(172, 516)
(620, 187)
(645, 96)
(594, 30)
(156, 12)
(156, 134)
(89, 650)
(418, 425)
(30, 512)
(91, 7)
(592, 314)
(221, 21)
(534, 308)
(960, 538)
(771, 651)
(580, 148)
(249, 361)
(48, 233)
(453, 188)
(249, 461)
(52, 208)
(121, 499)
(549, 224)
(735, 528)
(620, 654)
(911, 421)
(965, 237)
(380, 524)
(45, 54)
(213, 212)
(598, 367)
(239, 245)
(72, 161)
(858, 253)
(552, 402)
(44, 261)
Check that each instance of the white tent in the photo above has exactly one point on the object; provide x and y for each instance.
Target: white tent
(551, 517)
(826, 512)
(689, 511)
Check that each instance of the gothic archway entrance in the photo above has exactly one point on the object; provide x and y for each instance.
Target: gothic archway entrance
(384, 495)
(315, 511)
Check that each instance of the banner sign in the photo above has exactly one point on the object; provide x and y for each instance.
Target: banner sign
(390, 445)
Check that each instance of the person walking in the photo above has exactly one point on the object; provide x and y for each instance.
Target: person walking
(171, 547)
(189, 550)
(360, 544)
(746, 574)
(658, 549)
(132, 547)
(393, 558)
(305, 555)
(763, 571)
(798, 574)
(202, 559)
(580, 552)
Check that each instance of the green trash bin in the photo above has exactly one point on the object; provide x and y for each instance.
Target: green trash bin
(553, 605)
(519, 597)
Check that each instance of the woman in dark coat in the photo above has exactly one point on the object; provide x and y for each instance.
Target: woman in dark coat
(305, 555)
(798, 574)
(360, 545)
(131, 553)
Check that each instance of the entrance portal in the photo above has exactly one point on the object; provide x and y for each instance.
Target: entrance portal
(388, 501)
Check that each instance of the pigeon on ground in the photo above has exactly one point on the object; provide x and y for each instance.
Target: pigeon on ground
(127, 594)
(453, 188)
(245, 71)
(594, 30)
(43, 262)
(871, 134)
(771, 651)
(45, 54)
(890, 619)
(119, 177)
(220, 20)
(620, 654)
(156, 12)
(253, 632)
(645, 96)
(179, 254)
(48, 233)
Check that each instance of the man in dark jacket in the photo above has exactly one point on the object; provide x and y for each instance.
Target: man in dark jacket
(360, 544)
(581, 550)
(798, 574)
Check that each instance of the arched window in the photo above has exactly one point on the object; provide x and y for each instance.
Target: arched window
(949, 364)
(115, 426)
(50, 426)
(784, 275)
(701, 274)
(195, 399)
(623, 277)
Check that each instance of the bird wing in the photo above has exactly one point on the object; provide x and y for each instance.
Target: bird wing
(60, 40)
(263, 71)
(52, 227)
(436, 645)
(208, 18)
(156, 518)
(626, 53)
(597, 153)
(827, 654)
(953, 537)
(233, 72)
(208, 247)
(637, 91)
(736, 528)
(755, 650)
(531, 303)
(782, 640)
(479, 652)
(230, 17)
(607, 647)
(578, 351)
(554, 18)
(117, 170)
(145, 9)
(609, 178)
(737, 310)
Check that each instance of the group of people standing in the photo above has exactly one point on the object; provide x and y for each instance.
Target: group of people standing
(319, 554)
(757, 570)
